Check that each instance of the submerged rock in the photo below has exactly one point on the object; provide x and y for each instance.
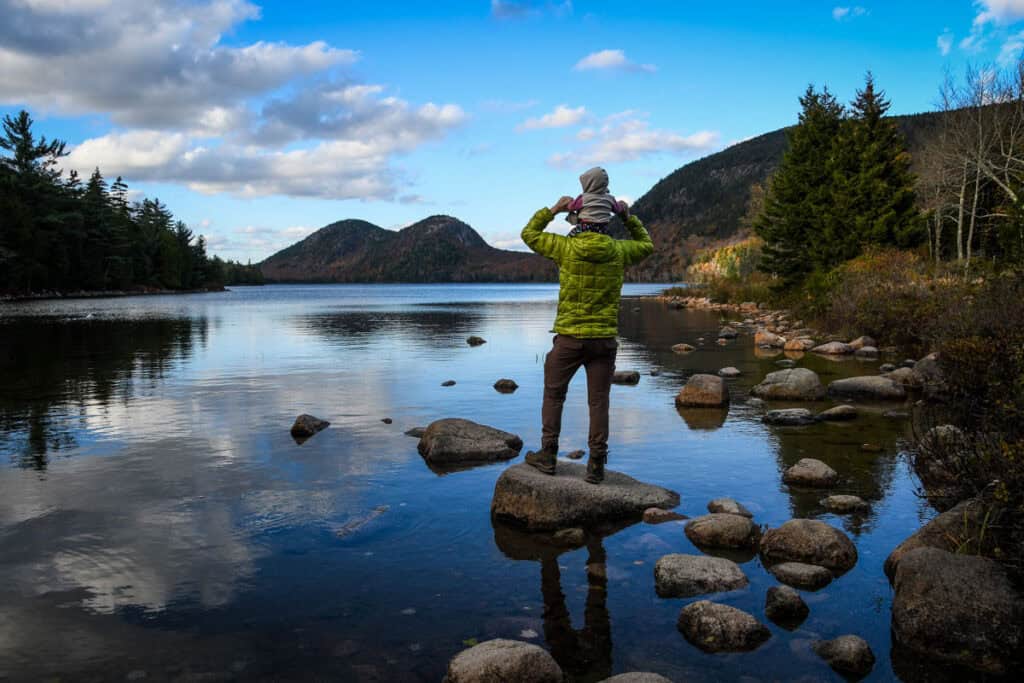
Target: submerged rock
(306, 426)
(356, 523)
(626, 377)
(454, 441)
(506, 386)
(810, 472)
(789, 417)
(476, 341)
(806, 576)
(659, 516)
(867, 387)
(539, 501)
(684, 576)
(810, 542)
(683, 348)
(866, 353)
(719, 530)
(715, 627)
(794, 384)
(958, 608)
(843, 504)
(850, 655)
(703, 391)
(503, 660)
(785, 607)
(838, 414)
(728, 506)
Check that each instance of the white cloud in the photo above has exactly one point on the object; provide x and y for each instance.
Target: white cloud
(998, 11)
(846, 13)
(254, 242)
(611, 60)
(626, 137)
(560, 117)
(1011, 50)
(945, 42)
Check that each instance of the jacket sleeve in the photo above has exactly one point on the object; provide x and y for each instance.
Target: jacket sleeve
(547, 244)
(639, 246)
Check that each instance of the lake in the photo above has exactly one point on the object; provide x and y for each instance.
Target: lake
(158, 522)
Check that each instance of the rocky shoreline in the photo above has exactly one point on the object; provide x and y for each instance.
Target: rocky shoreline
(103, 294)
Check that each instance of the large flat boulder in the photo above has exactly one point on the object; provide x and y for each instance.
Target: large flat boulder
(539, 501)
(793, 384)
(965, 520)
(501, 660)
(683, 576)
(867, 388)
(454, 441)
(811, 542)
(961, 609)
(714, 627)
(834, 348)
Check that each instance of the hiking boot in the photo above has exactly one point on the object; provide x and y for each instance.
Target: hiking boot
(543, 460)
(595, 469)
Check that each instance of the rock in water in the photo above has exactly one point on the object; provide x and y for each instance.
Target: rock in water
(866, 352)
(834, 349)
(799, 575)
(659, 516)
(729, 372)
(683, 576)
(789, 417)
(958, 608)
(416, 432)
(904, 377)
(448, 383)
(453, 442)
(503, 660)
(794, 384)
(703, 391)
(719, 530)
(476, 341)
(728, 506)
(861, 342)
(967, 519)
(785, 607)
(811, 542)
(868, 388)
(838, 414)
(683, 348)
(637, 677)
(850, 655)
(306, 426)
(538, 501)
(769, 339)
(355, 524)
(720, 628)
(843, 504)
(506, 386)
(810, 472)
(801, 344)
(728, 332)
(626, 377)
(575, 455)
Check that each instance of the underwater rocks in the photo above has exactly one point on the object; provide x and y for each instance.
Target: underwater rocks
(684, 576)
(539, 501)
(720, 628)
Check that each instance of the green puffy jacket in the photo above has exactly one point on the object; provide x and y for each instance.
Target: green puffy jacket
(590, 268)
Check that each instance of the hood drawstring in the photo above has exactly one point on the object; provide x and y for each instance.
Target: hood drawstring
(599, 228)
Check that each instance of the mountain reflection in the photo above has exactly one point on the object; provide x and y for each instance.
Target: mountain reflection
(54, 368)
(426, 327)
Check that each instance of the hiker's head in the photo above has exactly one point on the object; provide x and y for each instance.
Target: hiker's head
(595, 181)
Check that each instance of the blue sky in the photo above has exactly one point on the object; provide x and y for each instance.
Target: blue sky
(258, 123)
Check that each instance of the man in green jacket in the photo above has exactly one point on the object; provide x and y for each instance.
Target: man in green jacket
(590, 274)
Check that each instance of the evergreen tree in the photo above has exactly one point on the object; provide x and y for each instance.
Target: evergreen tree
(799, 195)
(872, 185)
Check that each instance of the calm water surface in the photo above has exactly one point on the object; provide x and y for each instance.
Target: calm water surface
(157, 519)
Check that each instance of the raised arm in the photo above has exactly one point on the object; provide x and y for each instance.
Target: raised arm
(639, 246)
(548, 245)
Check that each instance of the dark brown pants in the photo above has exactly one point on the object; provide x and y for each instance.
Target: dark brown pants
(567, 354)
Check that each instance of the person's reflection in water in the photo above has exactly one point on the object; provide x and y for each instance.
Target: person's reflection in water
(586, 654)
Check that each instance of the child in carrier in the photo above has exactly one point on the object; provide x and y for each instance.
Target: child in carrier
(592, 210)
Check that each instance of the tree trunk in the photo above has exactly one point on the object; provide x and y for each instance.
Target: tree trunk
(960, 217)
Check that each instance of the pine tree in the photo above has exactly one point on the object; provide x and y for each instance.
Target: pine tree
(799, 194)
(873, 187)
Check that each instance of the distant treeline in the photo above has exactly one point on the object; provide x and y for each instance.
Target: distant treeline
(59, 233)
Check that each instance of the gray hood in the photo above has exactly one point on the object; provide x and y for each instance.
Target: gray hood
(598, 205)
